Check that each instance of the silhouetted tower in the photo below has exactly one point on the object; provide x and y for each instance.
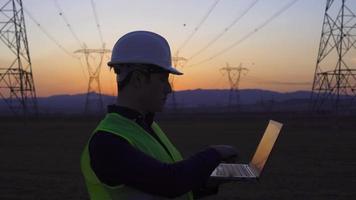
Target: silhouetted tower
(178, 62)
(234, 75)
(94, 102)
(17, 87)
(335, 75)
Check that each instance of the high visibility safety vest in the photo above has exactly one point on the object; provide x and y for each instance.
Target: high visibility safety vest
(138, 138)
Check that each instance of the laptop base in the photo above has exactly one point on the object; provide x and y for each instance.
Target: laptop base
(233, 172)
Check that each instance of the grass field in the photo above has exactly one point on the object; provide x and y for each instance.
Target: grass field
(314, 158)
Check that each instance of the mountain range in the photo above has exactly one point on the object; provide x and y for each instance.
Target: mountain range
(249, 100)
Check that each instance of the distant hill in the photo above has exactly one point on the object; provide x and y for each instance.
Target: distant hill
(200, 97)
(250, 99)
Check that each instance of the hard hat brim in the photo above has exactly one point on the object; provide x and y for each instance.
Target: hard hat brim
(173, 70)
(170, 69)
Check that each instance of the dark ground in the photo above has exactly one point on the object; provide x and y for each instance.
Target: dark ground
(314, 158)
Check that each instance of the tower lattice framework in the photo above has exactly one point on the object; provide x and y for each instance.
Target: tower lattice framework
(93, 102)
(178, 62)
(335, 73)
(234, 76)
(17, 86)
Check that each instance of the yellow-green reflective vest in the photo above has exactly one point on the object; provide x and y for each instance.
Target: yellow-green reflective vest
(138, 138)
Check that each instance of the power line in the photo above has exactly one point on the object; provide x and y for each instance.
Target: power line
(61, 13)
(82, 67)
(218, 82)
(275, 15)
(97, 22)
(199, 25)
(285, 83)
(272, 82)
(226, 29)
(49, 36)
(80, 43)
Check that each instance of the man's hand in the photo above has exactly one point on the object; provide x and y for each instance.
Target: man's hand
(228, 153)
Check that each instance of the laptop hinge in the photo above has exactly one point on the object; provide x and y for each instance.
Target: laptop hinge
(254, 170)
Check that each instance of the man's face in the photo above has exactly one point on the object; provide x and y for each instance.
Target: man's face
(155, 91)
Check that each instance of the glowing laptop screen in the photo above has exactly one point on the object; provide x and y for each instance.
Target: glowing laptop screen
(266, 145)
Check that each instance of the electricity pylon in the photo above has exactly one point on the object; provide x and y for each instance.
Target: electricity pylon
(334, 77)
(17, 86)
(94, 102)
(234, 75)
(178, 62)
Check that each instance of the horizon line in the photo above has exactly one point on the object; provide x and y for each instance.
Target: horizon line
(181, 91)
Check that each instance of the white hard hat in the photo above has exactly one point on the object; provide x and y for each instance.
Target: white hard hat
(143, 47)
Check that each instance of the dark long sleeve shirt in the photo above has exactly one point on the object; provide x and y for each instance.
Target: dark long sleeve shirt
(117, 162)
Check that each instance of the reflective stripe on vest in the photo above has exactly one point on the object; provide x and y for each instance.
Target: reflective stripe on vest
(138, 138)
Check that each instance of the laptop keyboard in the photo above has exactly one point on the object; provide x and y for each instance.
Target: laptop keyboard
(234, 170)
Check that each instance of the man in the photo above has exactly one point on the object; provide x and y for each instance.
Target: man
(128, 156)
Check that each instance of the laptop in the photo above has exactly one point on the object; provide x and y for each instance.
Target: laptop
(254, 169)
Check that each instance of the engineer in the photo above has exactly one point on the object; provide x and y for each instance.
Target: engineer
(128, 156)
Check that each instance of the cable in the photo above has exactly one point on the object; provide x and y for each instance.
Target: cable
(264, 81)
(275, 15)
(61, 13)
(216, 83)
(83, 71)
(226, 29)
(286, 83)
(49, 36)
(199, 25)
(97, 22)
(80, 43)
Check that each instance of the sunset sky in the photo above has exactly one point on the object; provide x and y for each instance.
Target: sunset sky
(277, 55)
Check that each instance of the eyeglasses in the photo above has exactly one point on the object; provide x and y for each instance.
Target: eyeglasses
(149, 68)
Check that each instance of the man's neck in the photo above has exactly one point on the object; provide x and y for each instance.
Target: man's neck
(130, 104)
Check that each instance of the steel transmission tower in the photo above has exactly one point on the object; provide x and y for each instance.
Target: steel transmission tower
(233, 75)
(94, 102)
(335, 76)
(177, 62)
(17, 87)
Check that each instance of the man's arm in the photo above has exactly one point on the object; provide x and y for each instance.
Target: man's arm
(116, 162)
